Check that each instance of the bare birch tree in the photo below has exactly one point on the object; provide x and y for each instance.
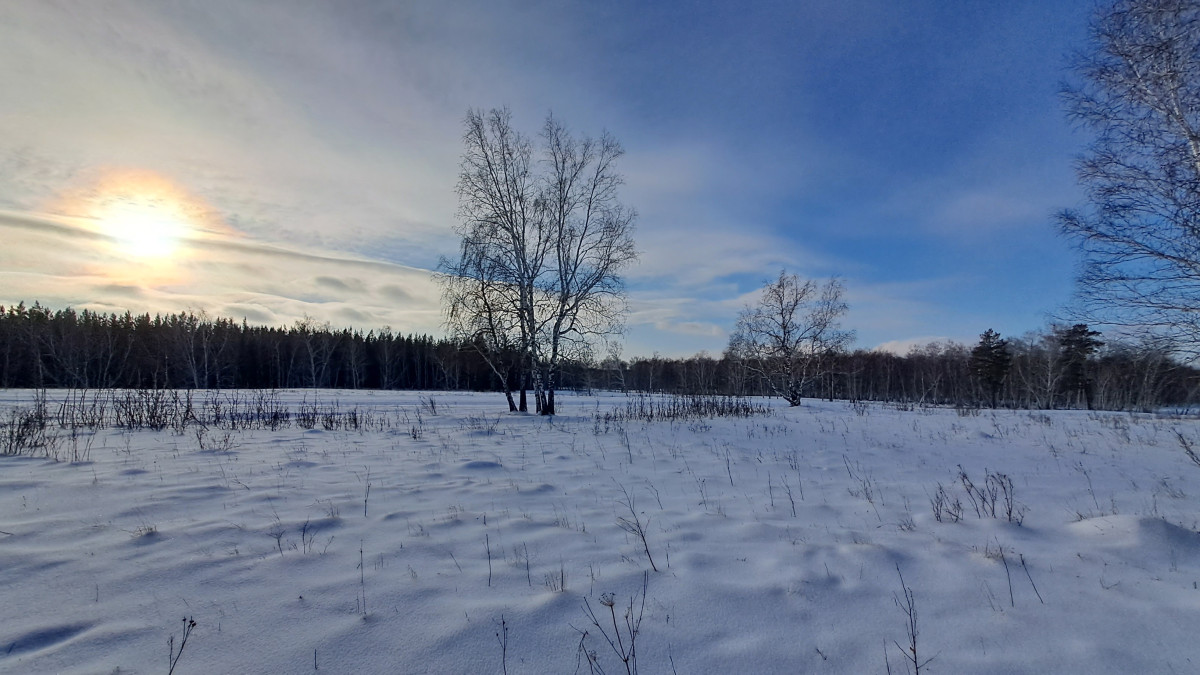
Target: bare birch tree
(543, 245)
(478, 309)
(788, 337)
(1140, 235)
(592, 235)
(488, 291)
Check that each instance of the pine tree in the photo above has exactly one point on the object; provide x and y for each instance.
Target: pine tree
(990, 361)
(1077, 343)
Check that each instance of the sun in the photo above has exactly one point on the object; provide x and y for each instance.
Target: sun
(145, 216)
(141, 216)
(144, 227)
(148, 229)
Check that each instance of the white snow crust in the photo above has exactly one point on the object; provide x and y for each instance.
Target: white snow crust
(101, 559)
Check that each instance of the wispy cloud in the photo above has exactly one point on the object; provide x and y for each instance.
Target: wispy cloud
(904, 347)
(239, 277)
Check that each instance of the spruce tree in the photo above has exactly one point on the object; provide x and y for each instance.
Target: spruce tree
(990, 361)
(1077, 343)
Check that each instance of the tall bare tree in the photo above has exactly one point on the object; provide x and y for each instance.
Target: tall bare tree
(592, 235)
(543, 246)
(789, 336)
(1140, 234)
(488, 291)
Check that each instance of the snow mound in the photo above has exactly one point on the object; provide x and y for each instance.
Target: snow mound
(1145, 542)
(1146, 533)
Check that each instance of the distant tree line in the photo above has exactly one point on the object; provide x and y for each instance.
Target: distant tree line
(1064, 367)
(40, 347)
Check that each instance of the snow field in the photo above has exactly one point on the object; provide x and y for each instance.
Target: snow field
(779, 540)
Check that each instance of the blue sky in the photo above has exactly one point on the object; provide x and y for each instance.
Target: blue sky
(310, 149)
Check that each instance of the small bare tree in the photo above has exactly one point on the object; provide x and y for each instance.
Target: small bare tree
(788, 337)
(479, 309)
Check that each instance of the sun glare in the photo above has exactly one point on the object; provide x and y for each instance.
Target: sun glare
(145, 216)
(144, 227)
(147, 229)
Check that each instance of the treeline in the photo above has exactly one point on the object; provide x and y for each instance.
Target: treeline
(1041, 372)
(82, 349)
(40, 347)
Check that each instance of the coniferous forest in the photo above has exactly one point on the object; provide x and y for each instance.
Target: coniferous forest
(1061, 367)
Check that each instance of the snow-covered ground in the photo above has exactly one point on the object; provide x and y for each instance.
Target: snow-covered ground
(469, 540)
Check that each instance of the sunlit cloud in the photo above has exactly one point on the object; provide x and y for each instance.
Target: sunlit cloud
(222, 274)
(904, 347)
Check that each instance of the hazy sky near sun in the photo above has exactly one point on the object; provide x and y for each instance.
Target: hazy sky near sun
(917, 149)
